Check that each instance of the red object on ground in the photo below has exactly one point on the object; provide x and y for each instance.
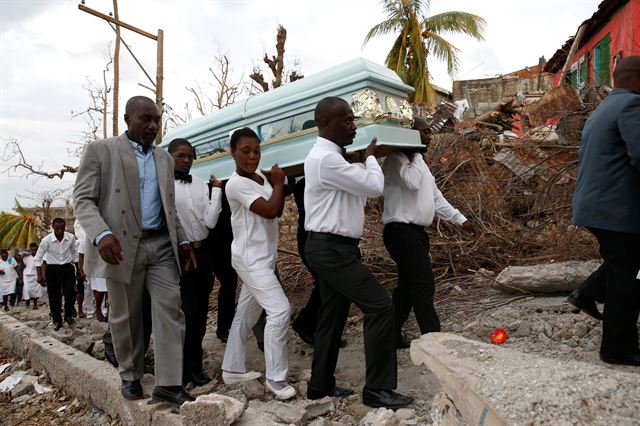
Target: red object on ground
(499, 336)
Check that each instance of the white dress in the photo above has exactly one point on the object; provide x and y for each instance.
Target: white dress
(31, 289)
(8, 279)
(98, 284)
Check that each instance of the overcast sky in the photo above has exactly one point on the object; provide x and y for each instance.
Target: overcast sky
(48, 48)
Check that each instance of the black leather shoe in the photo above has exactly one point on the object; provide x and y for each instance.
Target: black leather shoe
(172, 394)
(69, 321)
(384, 398)
(336, 392)
(631, 359)
(403, 341)
(588, 306)
(200, 379)
(132, 390)
(57, 325)
(110, 355)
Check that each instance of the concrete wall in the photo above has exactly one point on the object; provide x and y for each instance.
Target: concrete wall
(484, 94)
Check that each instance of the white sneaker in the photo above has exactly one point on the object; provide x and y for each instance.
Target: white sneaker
(231, 378)
(286, 392)
(89, 316)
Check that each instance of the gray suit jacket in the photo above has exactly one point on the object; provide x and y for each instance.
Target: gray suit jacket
(106, 196)
(607, 193)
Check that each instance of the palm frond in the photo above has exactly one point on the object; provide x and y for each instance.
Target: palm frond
(396, 56)
(443, 51)
(421, 36)
(456, 22)
(17, 230)
(383, 28)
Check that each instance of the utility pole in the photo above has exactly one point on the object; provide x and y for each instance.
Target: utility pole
(159, 39)
(116, 72)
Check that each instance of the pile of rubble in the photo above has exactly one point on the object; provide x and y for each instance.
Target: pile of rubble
(27, 397)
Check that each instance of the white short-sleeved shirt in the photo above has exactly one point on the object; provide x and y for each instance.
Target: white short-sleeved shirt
(255, 238)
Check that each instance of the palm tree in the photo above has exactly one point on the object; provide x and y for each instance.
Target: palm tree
(420, 36)
(18, 230)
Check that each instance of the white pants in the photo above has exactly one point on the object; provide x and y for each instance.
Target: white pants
(260, 290)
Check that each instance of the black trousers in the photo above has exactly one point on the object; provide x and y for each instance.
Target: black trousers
(408, 246)
(621, 254)
(60, 282)
(220, 239)
(344, 279)
(307, 318)
(594, 287)
(195, 288)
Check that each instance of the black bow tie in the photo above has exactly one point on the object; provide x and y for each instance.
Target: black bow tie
(183, 177)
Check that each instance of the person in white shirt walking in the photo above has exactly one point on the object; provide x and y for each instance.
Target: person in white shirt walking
(31, 289)
(334, 198)
(60, 249)
(256, 203)
(8, 277)
(84, 295)
(197, 213)
(411, 200)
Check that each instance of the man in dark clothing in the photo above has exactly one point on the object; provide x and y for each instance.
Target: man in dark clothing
(198, 208)
(607, 202)
(219, 240)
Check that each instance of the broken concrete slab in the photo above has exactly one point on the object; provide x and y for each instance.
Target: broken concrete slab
(22, 388)
(212, 410)
(316, 407)
(547, 278)
(287, 413)
(81, 375)
(380, 417)
(494, 385)
(253, 417)
(253, 389)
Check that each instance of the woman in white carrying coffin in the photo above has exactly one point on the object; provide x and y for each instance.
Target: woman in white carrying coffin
(256, 202)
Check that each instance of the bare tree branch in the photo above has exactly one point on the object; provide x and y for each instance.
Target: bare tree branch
(96, 117)
(13, 153)
(257, 76)
(226, 90)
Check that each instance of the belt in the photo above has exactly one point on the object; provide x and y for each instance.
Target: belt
(197, 244)
(327, 236)
(150, 233)
(53, 265)
(406, 225)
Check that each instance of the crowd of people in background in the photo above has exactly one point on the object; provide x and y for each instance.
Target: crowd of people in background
(153, 237)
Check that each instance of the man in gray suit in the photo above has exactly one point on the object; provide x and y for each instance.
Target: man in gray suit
(124, 200)
(607, 201)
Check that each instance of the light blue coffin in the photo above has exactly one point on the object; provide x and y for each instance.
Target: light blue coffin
(277, 116)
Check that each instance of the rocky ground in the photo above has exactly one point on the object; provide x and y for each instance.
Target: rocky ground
(545, 326)
(35, 401)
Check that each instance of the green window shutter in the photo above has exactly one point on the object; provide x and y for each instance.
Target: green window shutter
(583, 72)
(602, 61)
(573, 78)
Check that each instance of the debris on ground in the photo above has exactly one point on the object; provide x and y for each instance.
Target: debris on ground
(28, 398)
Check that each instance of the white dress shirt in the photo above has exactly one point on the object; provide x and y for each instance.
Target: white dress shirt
(255, 238)
(58, 252)
(196, 212)
(411, 194)
(336, 191)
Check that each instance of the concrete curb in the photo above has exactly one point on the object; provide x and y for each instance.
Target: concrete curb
(81, 375)
(457, 382)
(495, 385)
